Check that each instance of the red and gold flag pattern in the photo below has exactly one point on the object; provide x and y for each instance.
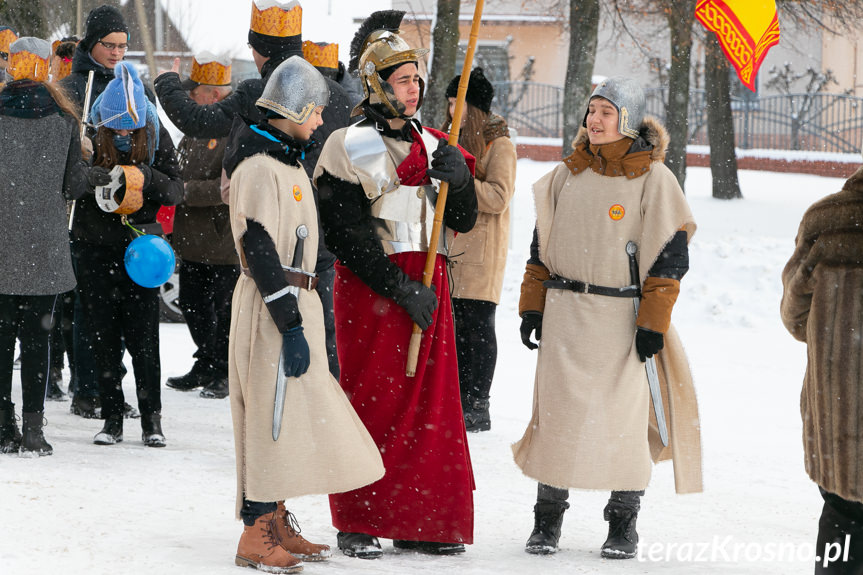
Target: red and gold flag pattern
(746, 30)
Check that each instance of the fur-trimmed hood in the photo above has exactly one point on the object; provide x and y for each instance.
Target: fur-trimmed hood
(651, 131)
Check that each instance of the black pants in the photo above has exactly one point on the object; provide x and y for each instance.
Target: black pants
(476, 345)
(28, 318)
(840, 528)
(205, 298)
(629, 499)
(61, 333)
(251, 510)
(118, 310)
(326, 279)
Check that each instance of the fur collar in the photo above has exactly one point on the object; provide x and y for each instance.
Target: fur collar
(651, 131)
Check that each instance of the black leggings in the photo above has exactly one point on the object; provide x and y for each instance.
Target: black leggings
(628, 499)
(29, 318)
(476, 345)
(840, 536)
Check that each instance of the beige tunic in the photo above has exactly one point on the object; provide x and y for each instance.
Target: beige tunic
(323, 446)
(591, 409)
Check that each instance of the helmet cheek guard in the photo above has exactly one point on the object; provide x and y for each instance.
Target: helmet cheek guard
(628, 97)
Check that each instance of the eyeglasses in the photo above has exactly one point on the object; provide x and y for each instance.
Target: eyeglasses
(110, 46)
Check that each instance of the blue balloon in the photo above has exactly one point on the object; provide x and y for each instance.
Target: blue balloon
(149, 261)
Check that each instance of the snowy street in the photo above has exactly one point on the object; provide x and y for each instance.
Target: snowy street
(126, 509)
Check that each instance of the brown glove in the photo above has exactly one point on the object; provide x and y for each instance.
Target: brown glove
(657, 300)
(532, 291)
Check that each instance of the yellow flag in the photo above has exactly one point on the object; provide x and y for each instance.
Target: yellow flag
(746, 30)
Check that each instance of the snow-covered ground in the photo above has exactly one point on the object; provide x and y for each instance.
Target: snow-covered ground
(128, 509)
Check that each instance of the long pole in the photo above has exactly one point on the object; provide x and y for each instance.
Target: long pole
(431, 256)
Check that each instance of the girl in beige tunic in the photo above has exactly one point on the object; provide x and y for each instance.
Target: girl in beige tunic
(592, 411)
(277, 326)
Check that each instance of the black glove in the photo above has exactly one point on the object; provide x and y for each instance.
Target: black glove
(531, 321)
(448, 165)
(418, 300)
(295, 352)
(648, 342)
(98, 176)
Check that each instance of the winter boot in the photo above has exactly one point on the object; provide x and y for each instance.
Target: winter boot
(86, 407)
(288, 530)
(429, 547)
(359, 545)
(54, 391)
(197, 377)
(548, 519)
(476, 416)
(218, 388)
(33, 442)
(112, 431)
(151, 426)
(10, 436)
(259, 548)
(622, 541)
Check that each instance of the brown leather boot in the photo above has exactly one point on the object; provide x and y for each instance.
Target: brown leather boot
(288, 531)
(259, 548)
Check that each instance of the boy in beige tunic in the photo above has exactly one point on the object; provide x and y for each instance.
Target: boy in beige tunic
(591, 411)
(316, 444)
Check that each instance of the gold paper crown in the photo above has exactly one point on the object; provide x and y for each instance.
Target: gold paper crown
(212, 73)
(321, 55)
(61, 69)
(277, 22)
(54, 45)
(25, 65)
(7, 36)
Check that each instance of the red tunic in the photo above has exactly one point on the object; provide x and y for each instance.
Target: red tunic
(416, 422)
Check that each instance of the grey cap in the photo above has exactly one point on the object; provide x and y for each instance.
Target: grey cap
(294, 90)
(627, 96)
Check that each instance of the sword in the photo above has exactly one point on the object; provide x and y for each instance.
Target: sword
(281, 380)
(650, 362)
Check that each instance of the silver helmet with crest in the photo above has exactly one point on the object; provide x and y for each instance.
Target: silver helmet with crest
(628, 97)
(294, 90)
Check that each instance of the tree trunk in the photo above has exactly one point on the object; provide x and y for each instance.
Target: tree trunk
(445, 38)
(583, 26)
(681, 15)
(720, 123)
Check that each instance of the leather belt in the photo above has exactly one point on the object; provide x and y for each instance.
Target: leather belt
(294, 278)
(583, 287)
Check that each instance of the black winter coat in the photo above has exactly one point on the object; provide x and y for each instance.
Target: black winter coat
(75, 84)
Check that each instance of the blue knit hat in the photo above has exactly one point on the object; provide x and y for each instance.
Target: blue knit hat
(123, 104)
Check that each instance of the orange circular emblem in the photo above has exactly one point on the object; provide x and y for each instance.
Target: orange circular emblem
(616, 212)
(298, 193)
(211, 145)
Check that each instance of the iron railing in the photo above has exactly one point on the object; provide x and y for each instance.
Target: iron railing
(809, 122)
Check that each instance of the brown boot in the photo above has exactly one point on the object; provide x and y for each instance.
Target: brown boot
(259, 548)
(288, 531)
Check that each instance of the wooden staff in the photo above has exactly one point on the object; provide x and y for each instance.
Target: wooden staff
(455, 128)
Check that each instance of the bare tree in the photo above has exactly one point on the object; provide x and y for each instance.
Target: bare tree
(681, 16)
(583, 27)
(445, 37)
(720, 122)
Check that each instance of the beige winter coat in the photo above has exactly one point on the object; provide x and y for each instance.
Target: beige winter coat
(479, 256)
(822, 305)
(323, 446)
(593, 425)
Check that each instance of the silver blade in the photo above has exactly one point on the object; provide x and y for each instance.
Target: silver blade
(656, 396)
(279, 402)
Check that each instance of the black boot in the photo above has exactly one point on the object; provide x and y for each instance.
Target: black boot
(10, 436)
(86, 407)
(33, 441)
(359, 545)
(151, 426)
(218, 388)
(197, 377)
(476, 416)
(429, 547)
(548, 518)
(112, 431)
(622, 542)
(54, 391)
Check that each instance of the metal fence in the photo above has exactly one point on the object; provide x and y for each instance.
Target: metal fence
(809, 122)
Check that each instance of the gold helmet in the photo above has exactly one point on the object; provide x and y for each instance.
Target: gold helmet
(377, 47)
